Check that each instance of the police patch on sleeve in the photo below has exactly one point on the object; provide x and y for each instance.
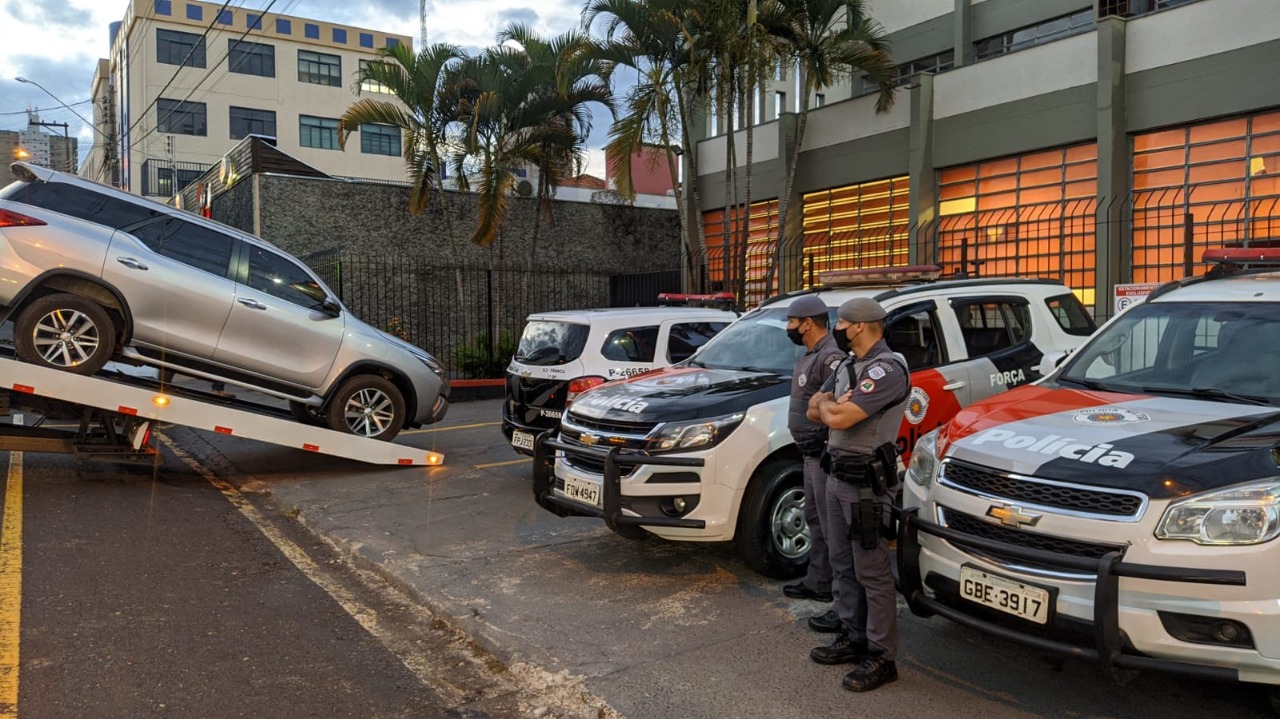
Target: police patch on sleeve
(866, 386)
(876, 372)
(835, 363)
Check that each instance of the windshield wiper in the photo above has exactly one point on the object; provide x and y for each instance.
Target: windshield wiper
(752, 368)
(1210, 393)
(1087, 384)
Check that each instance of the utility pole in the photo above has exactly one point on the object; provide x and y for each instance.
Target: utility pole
(173, 167)
(422, 15)
(66, 142)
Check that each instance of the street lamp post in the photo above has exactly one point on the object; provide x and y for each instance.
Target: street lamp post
(106, 148)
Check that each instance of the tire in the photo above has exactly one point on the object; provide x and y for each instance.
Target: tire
(772, 535)
(66, 332)
(307, 414)
(1273, 694)
(367, 405)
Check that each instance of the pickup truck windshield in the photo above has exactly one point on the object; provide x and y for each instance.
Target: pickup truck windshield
(1209, 350)
(758, 341)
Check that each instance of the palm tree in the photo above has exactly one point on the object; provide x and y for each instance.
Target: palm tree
(415, 80)
(825, 40)
(651, 38)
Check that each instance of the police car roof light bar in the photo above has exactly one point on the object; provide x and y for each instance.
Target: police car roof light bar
(716, 299)
(879, 275)
(1244, 256)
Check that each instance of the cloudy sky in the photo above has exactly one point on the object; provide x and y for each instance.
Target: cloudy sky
(57, 43)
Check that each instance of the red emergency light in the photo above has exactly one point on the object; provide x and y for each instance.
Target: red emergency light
(879, 275)
(696, 300)
(1243, 256)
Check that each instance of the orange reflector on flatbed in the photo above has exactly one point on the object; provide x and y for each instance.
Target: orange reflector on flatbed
(404, 460)
(222, 430)
(126, 410)
(311, 447)
(24, 388)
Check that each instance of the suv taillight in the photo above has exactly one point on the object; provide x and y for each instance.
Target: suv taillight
(13, 219)
(579, 385)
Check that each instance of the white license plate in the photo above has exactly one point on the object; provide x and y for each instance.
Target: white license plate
(582, 491)
(522, 440)
(550, 413)
(1005, 595)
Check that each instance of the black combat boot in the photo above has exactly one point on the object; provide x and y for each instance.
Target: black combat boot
(844, 650)
(871, 673)
(826, 623)
(798, 590)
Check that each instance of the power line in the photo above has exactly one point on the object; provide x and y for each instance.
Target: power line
(45, 109)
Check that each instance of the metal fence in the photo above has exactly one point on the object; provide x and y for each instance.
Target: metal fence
(469, 317)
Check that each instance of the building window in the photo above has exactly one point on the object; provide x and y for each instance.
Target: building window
(181, 118)
(819, 99)
(157, 176)
(856, 227)
(283, 27)
(380, 140)
(163, 7)
(723, 267)
(780, 71)
(340, 36)
(392, 42)
(1031, 215)
(251, 58)
(366, 39)
(321, 132)
(1134, 8)
(179, 48)
(195, 12)
(940, 62)
(319, 68)
(779, 104)
(311, 30)
(253, 22)
(226, 17)
(1038, 34)
(372, 85)
(247, 121)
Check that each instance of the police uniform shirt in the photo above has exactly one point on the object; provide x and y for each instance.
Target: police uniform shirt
(811, 373)
(882, 381)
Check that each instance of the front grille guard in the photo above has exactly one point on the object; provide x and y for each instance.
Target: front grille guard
(544, 447)
(1108, 649)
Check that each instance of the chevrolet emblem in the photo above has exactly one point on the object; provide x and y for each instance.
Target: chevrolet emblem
(588, 439)
(1012, 516)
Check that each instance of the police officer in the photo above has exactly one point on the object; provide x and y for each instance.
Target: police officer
(807, 325)
(863, 413)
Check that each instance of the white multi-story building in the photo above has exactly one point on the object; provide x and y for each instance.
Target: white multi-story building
(38, 145)
(187, 80)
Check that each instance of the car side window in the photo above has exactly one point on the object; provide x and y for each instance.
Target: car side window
(915, 336)
(989, 326)
(1071, 315)
(686, 337)
(188, 243)
(633, 344)
(280, 277)
(80, 202)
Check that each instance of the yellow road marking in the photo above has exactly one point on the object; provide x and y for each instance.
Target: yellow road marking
(446, 429)
(504, 464)
(11, 588)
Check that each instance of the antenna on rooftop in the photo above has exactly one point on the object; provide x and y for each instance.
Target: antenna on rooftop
(422, 14)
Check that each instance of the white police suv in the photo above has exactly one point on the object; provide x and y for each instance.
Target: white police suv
(701, 452)
(1126, 508)
(562, 354)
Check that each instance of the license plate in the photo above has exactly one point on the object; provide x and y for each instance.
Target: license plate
(1004, 594)
(550, 413)
(522, 440)
(582, 491)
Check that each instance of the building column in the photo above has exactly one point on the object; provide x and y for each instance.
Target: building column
(963, 23)
(1114, 260)
(923, 192)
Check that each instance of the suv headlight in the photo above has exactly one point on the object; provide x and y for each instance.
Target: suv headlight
(1244, 514)
(684, 436)
(432, 363)
(924, 460)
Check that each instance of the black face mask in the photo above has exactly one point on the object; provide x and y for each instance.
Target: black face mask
(795, 335)
(842, 340)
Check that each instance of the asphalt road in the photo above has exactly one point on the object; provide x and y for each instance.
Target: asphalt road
(151, 592)
(595, 625)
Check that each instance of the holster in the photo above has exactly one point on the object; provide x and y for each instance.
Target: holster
(851, 470)
(812, 445)
(865, 527)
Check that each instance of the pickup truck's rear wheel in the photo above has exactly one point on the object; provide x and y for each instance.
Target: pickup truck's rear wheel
(772, 535)
(66, 332)
(367, 405)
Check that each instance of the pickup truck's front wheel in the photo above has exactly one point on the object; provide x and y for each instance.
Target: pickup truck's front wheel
(772, 535)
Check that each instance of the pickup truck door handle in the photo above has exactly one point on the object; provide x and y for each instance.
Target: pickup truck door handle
(131, 263)
(251, 303)
(958, 384)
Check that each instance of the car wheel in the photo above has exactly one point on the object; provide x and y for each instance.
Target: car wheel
(772, 535)
(307, 414)
(66, 332)
(1273, 693)
(367, 405)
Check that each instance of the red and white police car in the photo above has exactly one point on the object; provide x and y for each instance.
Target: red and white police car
(1127, 507)
(701, 452)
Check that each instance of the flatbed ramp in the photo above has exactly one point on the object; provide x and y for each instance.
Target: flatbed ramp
(150, 401)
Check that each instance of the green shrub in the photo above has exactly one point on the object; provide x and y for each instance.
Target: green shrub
(473, 361)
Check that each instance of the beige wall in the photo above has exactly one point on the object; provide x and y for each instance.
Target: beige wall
(220, 89)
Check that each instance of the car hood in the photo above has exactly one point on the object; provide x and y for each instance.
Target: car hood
(675, 394)
(1162, 446)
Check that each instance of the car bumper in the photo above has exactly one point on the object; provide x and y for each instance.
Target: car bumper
(1114, 610)
(528, 431)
